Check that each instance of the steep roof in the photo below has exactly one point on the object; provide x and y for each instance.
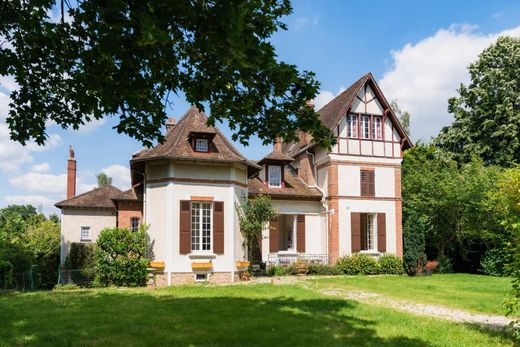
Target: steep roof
(295, 188)
(276, 156)
(96, 198)
(332, 113)
(176, 145)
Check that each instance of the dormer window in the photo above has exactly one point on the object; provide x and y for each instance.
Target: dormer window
(201, 145)
(275, 176)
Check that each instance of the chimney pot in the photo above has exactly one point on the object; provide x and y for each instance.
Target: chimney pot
(170, 124)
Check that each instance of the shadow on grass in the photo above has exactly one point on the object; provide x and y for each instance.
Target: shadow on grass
(138, 318)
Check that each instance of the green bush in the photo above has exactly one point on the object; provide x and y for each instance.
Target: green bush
(277, 270)
(445, 266)
(414, 256)
(65, 287)
(494, 262)
(390, 264)
(121, 257)
(323, 270)
(358, 264)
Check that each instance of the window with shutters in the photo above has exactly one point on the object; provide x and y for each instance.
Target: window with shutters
(201, 226)
(368, 232)
(367, 183)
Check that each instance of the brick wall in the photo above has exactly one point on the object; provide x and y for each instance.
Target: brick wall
(127, 210)
(305, 171)
(333, 204)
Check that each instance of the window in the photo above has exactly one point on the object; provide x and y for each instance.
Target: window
(367, 183)
(352, 126)
(201, 226)
(365, 127)
(201, 277)
(377, 133)
(134, 223)
(201, 145)
(275, 176)
(85, 233)
(368, 232)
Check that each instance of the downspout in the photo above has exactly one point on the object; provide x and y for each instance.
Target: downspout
(322, 201)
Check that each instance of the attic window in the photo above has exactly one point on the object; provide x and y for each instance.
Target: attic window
(275, 176)
(201, 145)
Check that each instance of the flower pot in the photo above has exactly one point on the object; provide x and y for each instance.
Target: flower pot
(157, 264)
(202, 266)
(243, 264)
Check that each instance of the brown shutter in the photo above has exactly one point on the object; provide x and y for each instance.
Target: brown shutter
(185, 227)
(381, 232)
(218, 227)
(355, 231)
(273, 235)
(300, 233)
(371, 183)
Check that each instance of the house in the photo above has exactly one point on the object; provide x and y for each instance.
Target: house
(330, 203)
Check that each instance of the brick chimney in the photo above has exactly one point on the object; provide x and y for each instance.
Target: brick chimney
(170, 124)
(71, 174)
(277, 145)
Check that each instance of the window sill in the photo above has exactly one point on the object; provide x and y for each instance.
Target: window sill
(202, 256)
(85, 240)
(371, 252)
(289, 252)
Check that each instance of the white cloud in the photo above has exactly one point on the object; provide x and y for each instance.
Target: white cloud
(43, 167)
(120, 175)
(425, 74)
(91, 126)
(36, 200)
(304, 22)
(324, 97)
(40, 182)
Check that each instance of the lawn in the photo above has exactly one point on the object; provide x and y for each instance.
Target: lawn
(252, 315)
(468, 292)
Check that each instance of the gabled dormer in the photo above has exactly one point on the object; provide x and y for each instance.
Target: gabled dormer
(274, 165)
(202, 142)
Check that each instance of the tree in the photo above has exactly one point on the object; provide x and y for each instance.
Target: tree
(103, 180)
(253, 215)
(125, 58)
(414, 256)
(487, 111)
(404, 116)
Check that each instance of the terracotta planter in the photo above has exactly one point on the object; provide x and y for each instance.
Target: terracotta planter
(157, 264)
(243, 264)
(205, 266)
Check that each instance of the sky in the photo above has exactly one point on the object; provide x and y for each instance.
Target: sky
(418, 52)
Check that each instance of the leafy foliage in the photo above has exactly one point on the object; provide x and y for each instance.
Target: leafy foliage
(414, 234)
(390, 264)
(125, 58)
(253, 215)
(103, 180)
(404, 116)
(487, 111)
(358, 264)
(121, 257)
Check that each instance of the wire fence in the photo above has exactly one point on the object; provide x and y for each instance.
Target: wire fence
(25, 281)
(79, 277)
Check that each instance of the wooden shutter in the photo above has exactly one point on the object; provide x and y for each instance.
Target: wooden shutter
(381, 232)
(274, 238)
(185, 227)
(300, 233)
(218, 227)
(355, 231)
(371, 183)
(368, 183)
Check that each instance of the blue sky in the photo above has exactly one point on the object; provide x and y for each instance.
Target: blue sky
(417, 50)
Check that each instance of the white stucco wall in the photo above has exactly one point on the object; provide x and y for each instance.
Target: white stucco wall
(72, 219)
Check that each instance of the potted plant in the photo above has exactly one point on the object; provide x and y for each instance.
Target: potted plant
(431, 266)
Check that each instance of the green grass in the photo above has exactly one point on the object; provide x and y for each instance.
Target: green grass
(463, 291)
(253, 315)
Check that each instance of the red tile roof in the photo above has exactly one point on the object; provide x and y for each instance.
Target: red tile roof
(295, 188)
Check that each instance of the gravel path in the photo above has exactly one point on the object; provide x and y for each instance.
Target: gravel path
(442, 312)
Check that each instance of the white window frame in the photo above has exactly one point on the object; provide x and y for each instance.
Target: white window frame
(276, 175)
(132, 219)
(377, 128)
(372, 235)
(365, 126)
(88, 229)
(352, 126)
(201, 145)
(197, 220)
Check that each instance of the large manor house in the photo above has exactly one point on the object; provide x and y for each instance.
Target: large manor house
(330, 203)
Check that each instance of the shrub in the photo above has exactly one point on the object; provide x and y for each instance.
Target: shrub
(276, 270)
(414, 256)
(358, 264)
(494, 263)
(390, 264)
(445, 266)
(323, 269)
(121, 257)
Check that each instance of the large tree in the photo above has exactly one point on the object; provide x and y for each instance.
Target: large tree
(103, 180)
(125, 58)
(487, 111)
